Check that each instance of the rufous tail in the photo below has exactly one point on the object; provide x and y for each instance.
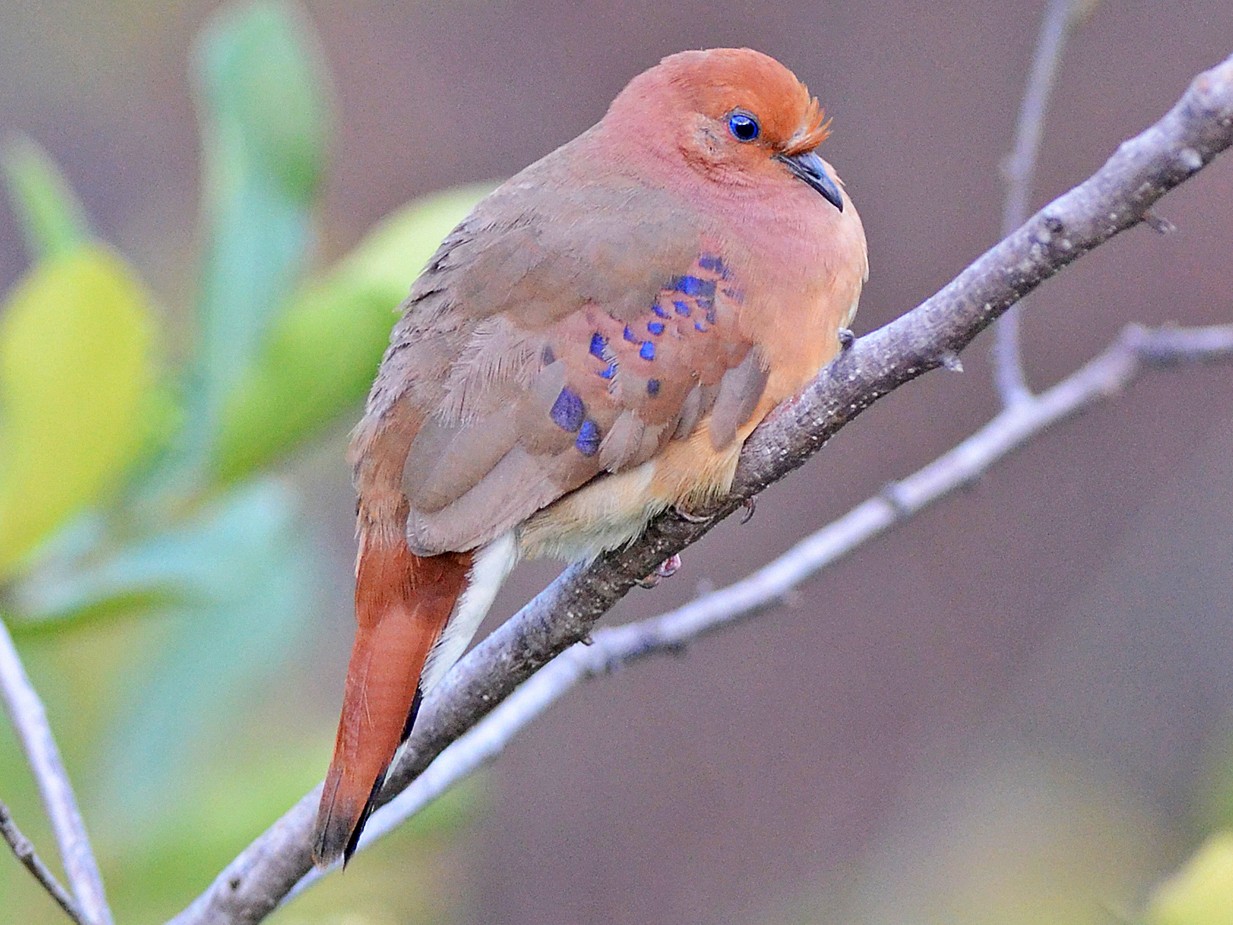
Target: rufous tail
(402, 603)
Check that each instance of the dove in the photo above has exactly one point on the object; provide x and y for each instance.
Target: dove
(591, 346)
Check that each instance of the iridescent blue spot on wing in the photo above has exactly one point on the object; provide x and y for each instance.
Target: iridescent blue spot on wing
(568, 411)
(655, 327)
(714, 263)
(693, 286)
(608, 371)
(662, 312)
(682, 308)
(598, 343)
(647, 350)
(587, 440)
(629, 335)
(652, 387)
(699, 326)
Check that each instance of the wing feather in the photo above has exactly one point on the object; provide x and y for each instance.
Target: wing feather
(537, 355)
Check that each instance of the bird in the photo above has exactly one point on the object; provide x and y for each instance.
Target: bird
(590, 347)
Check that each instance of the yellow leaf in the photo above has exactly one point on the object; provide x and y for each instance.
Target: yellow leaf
(75, 378)
(1201, 893)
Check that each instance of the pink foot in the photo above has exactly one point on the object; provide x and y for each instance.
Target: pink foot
(667, 569)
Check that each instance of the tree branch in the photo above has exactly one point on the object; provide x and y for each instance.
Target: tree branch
(29, 719)
(1115, 198)
(611, 649)
(24, 850)
(1061, 17)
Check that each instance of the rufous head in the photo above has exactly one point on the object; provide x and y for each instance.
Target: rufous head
(734, 115)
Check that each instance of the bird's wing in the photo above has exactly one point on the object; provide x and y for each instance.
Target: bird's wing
(536, 352)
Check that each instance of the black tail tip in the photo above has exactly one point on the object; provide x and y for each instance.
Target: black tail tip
(331, 843)
(337, 833)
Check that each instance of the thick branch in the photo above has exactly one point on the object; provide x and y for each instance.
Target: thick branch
(23, 849)
(30, 721)
(1061, 16)
(1142, 170)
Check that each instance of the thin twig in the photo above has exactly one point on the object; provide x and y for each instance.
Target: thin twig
(1115, 198)
(29, 719)
(23, 848)
(1019, 170)
(613, 648)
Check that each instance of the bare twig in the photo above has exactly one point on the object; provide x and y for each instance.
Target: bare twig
(1143, 169)
(30, 721)
(24, 850)
(1019, 168)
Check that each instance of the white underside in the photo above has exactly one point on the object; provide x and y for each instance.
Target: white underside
(492, 565)
(591, 519)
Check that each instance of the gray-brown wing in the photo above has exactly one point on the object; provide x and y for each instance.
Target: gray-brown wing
(535, 355)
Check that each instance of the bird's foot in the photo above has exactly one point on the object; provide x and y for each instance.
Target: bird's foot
(750, 505)
(691, 517)
(666, 569)
(846, 338)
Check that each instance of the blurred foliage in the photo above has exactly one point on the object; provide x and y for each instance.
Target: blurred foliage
(75, 376)
(1024, 836)
(1201, 893)
(153, 564)
(52, 219)
(305, 374)
(259, 87)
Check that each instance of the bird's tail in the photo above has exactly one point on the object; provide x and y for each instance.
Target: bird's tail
(402, 603)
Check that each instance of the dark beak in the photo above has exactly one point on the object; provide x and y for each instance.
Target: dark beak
(808, 166)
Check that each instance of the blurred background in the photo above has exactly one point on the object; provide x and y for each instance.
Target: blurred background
(1017, 707)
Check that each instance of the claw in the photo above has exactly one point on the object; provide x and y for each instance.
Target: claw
(1157, 223)
(750, 505)
(846, 338)
(666, 569)
(669, 566)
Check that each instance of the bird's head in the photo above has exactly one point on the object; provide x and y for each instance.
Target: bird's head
(735, 115)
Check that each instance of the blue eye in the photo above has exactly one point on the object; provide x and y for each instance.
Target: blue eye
(743, 126)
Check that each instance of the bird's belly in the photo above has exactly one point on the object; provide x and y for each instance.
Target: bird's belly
(603, 514)
(613, 509)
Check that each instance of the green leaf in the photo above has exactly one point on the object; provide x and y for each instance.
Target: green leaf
(321, 355)
(76, 370)
(50, 216)
(1201, 893)
(264, 126)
